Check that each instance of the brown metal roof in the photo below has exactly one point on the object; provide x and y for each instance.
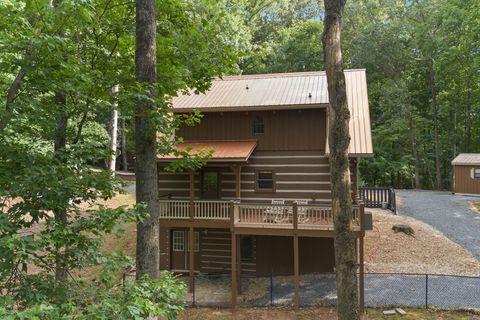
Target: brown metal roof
(467, 159)
(286, 91)
(264, 91)
(231, 151)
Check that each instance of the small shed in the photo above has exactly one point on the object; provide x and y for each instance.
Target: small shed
(466, 173)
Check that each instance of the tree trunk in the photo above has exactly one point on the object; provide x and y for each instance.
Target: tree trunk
(145, 141)
(114, 129)
(413, 139)
(61, 218)
(123, 146)
(438, 174)
(339, 139)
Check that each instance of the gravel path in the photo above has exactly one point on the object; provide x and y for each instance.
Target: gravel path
(450, 214)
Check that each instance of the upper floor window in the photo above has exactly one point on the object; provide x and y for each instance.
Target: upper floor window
(265, 181)
(258, 125)
(476, 173)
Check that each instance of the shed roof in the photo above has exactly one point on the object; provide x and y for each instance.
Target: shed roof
(286, 91)
(230, 151)
(467, 159)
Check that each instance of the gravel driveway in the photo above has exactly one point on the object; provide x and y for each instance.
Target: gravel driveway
(450, 214)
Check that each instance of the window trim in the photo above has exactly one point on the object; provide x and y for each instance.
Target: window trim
(476, 173)
(254, 125)
(257, 189)
(176, 245)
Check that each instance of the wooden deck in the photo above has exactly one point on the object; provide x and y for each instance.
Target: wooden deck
(252, 216)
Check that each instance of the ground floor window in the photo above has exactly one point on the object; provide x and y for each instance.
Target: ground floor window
(247, 248)
(178, 241)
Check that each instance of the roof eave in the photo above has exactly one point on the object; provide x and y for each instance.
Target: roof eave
(252, 108)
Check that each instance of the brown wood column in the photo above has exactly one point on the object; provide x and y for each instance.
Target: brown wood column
(234, 270)
(191, 235)
(361, 288)
(296, 265)
(239, 265)
(238, 181)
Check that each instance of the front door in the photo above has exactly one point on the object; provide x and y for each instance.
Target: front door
(210, 184)
(180, 250)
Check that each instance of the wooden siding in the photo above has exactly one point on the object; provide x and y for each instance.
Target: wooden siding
(298, 175)
(463, 182)
(275, 255)
(272, 254)
(302, 129)
(214, 253)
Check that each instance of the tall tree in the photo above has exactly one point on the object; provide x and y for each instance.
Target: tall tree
(148, 254)
(339, 139)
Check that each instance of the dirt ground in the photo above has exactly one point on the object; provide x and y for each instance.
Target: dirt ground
(475, 206)
(318, 314)
(427, 251)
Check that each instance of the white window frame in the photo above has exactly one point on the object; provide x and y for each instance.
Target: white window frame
(476, 173)
(178, 240)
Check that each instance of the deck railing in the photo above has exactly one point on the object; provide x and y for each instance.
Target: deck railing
(308, 216)
(216, 210)
(378, 197)
(174, 209)
(255, 215)
(202, 209)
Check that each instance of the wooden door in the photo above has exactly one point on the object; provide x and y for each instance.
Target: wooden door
(210, 184)
(180, 250)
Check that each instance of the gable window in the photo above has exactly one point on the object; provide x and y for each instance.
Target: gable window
(265, 181)
(258, 125)
(476, 173)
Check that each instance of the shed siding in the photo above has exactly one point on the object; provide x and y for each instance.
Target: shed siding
(306, 129)
(463, 180)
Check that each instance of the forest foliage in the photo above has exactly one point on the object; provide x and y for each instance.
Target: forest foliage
(59, 60)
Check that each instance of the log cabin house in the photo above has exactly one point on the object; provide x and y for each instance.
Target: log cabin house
(261, 204)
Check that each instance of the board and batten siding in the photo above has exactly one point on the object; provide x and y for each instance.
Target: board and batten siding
(297, 175)
(302, 129)
(463, 180)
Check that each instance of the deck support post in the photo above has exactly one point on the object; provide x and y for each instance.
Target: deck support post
(361, 256)
(191, 235)
(234, 271)
(239, 264)
(296, 266)
(233, 266)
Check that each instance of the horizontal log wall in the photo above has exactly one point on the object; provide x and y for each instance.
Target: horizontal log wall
(298, 175)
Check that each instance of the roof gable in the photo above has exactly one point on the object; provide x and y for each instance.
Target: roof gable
(286, 91)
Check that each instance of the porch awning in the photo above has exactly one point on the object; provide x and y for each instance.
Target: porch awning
(223, 151)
